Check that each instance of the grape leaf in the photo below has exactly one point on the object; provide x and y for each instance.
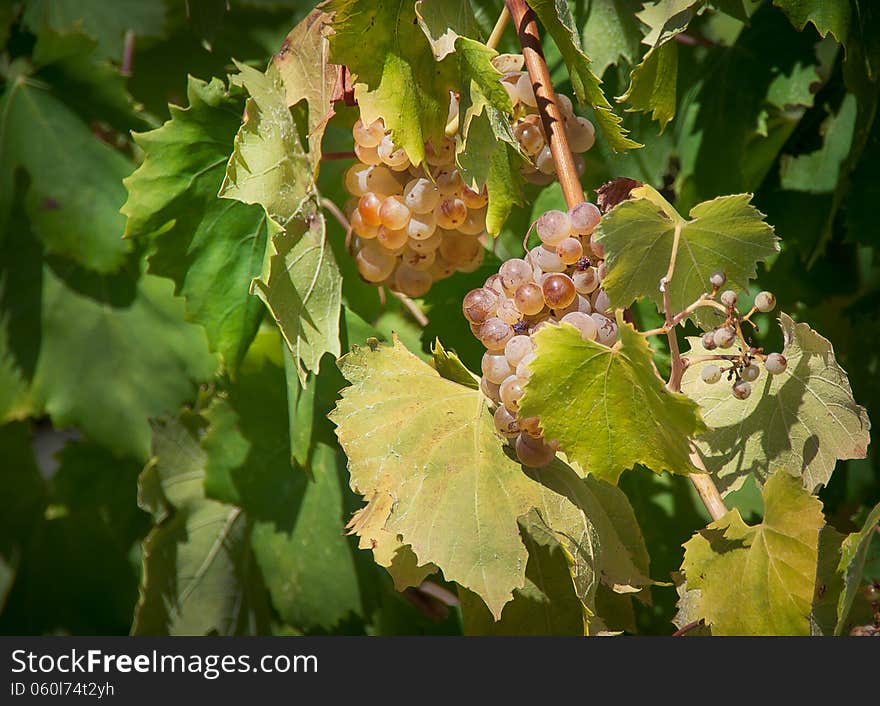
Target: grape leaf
(449, 365)
(211, 248)
(307, 75)
(624, 413)
(398, 78)
(833, 17)
(853, 556)
(611, 31)
(666, 18)
(829, 583)
(557, 20)
(727, 233)
(759, 580)
(268, 165)
(457, 494)
(197, 560)
(546, 605)
(444, 22)
(13, 387)
(75, 188)
(802, 420)
(652, 84)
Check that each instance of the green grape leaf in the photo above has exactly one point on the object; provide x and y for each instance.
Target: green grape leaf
(504, 185)
(307, 75)
(13, 386)
(727, 233)
(75, 188)
(197, 561)
(106, 23)
(172, 200)
(802, 420)
(611, 30)
(546, 605)
(652, 84)
(457, 495)
(759, 580)
(819, 172)
(557, 20)
(268, 165)
(302, 287)
(829, 583)
(853, 557)
(666, 18)
(625, 415)
(833, 17)
(398, 78)
(449, 365)
(444, 22)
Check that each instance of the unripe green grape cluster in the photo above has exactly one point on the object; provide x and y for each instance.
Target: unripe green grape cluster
(557, 281)
(412, 225)
(742, 367)
(527, 126)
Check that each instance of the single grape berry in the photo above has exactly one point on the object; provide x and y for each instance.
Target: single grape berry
(724, 337)
(717, 279)
(765, 301)
(479, 304)
(553, 226)
(728, 298)
(559, 291)
(710, 374)
(741, 389)
(709, 341)
(750, 372)
(775, 363)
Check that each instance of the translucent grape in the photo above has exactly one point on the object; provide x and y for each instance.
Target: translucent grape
(421, 226)
(530, 137)
(421, 195)
(511, 392)
(356, 179)
(474, 223)
(412, 282)
(395, 157)
(607, 333)
(424, 245)
(394, 213)
(525, 91)
(584, 218)
(583, 323)
(514, 273)
(369, 206)
(473, 262)
(391, 239)
(569, 250)
(495, 367)
(598, 249)
(775, 363)
(451, 213)
(583, 304)
(544, 161)
(508, 312)
(741, 389)
(449, 182)
(522, 368)
(441, 269)
(367, 155)
(493, 282)
(710, 374)
(529, 298)
(553, 227)
(442, 155)
(474, 199)
(585, 281)
(765, 301)
(565, 107)
(532, 452)
(368, 135)
(505, 422)
(360, 228)
(490, 390)
(531, 426)
(601, 302)
(546, 259)
(581, 134)
(374, 263)
(494, 334)
(459, 249)
(479, 304)
(558, 290)
(518, 348)
(418, 260)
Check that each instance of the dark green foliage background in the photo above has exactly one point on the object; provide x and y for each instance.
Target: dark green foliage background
(760, 107)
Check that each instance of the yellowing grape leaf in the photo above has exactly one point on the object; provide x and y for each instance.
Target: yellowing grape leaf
(457, 492)
(557, 20)
(726, 233)
(606, 406)
(759, 580)
(802, 420)
(853, 557)
(211, 248)
(306, 73)
(398, 77)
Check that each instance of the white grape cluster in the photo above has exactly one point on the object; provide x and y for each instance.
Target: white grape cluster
(529, 131)
(412, 225)
(742, 367)
(557, 281)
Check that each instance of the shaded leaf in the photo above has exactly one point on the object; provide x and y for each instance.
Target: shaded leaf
(833, 17)
(853, 556)
(652, 84)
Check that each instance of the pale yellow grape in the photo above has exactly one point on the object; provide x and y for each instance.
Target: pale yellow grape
(475, 223)
(558, 290)
(479, 305)
(598, 249)
(583, 323)
(565, 107)
(356, 179)
(424, 245)
(421, 195)
(375, 263)
(451, 213)
(518, 348)
(369, 206)
(442, 155)
(441, 269)
(362, 229)
(417, 259)
(490, 390)
(530, 138)
(522, 368)
(585, 281)
(546, 259)
(607, 329)
(395, 157)
(584, 218)
(422, 226)
(368, 135)
(367, 155)
(474, 262)
(505, 422)
(459, 249)
(412, 282)
(514, 273)
(553, 227)
(493, 282)
(383, 181)
(601, 303)
(494, 334)
(511, 392)
(394, 213)
(570, 250)
(583, 304)
(525, 91)
(544, 162)
(529, 299)
(581, 134)
(495, 367)
(392, 239)
(508, 312)
(449, 182)
(474, 199)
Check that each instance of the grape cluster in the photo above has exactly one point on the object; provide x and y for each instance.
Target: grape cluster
(529, 131)
(412, 225)
(557, 281)
(742, 367)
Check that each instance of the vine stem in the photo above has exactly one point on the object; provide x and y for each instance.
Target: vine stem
(548, 108)
(498, 29)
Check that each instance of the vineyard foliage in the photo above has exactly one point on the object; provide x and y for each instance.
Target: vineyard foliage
(226, 409)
